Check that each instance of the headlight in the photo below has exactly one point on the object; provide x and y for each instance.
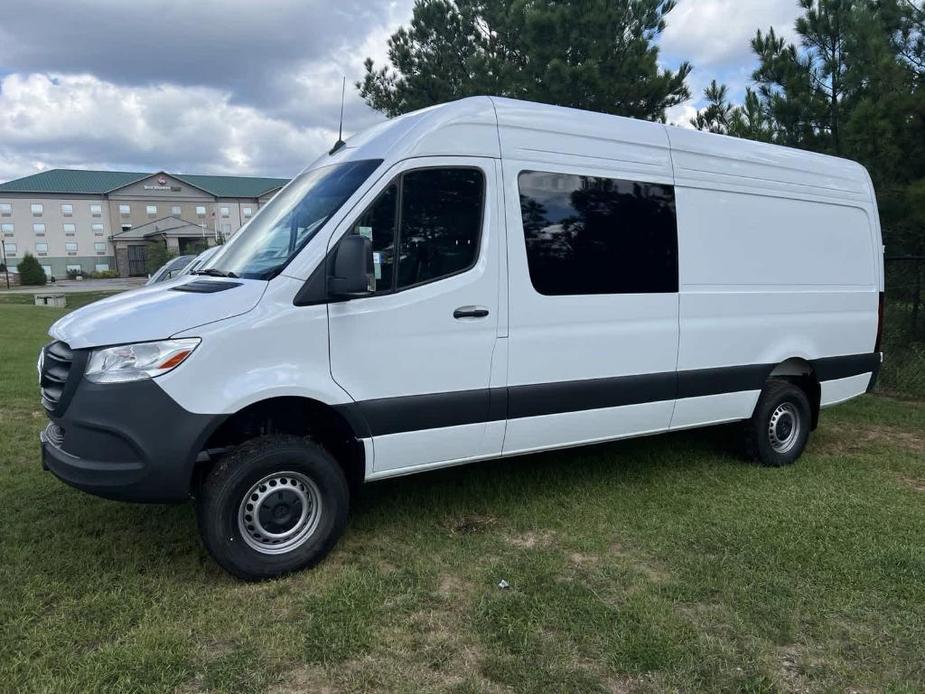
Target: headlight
(138, 361)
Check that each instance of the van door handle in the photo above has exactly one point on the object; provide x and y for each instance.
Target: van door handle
(470, 312)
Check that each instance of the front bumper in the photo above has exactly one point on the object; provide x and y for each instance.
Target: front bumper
(126, 441)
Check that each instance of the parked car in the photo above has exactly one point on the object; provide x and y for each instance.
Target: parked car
(200, 260)
(172, 269)
(482, 279)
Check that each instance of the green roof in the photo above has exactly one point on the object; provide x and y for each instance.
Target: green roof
(79, 181)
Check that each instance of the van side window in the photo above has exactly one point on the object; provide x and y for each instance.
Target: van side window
(441, 217)
(378, 223)
(592, 235)
(434, 218)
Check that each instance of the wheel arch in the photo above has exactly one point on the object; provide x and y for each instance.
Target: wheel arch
(296, 415)
(801, 373)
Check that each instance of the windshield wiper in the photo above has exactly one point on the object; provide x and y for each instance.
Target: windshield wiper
(214, 272)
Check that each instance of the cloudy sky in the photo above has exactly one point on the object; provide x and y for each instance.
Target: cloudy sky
(246, 86)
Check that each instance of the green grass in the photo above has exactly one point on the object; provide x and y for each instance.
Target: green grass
(650, 565)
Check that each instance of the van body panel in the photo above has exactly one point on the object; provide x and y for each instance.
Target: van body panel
(842, 389)
(560, 339)
(404, 357)
(717, 162)
(292, 344)
(153, 313)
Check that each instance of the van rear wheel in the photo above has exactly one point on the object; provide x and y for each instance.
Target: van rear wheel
(274, 505)
(778, 431)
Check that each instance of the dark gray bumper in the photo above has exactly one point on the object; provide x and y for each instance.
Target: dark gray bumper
(126, 441)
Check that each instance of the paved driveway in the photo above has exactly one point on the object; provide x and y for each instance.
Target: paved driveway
(71, 286)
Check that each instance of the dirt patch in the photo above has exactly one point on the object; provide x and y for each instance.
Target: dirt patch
(840, 439)
(917, 485)
(581, 560)
(468, 525)
(645, 566)
(450, 586)
(532, 540)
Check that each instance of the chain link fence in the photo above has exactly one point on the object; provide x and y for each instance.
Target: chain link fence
(904, 327)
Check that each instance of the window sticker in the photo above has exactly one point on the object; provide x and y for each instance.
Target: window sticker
(377, 263)
(365, 231)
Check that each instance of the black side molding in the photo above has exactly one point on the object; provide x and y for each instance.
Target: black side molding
(435, 410)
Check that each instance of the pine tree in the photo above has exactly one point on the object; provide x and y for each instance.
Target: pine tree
(599, 56)
(30, 271)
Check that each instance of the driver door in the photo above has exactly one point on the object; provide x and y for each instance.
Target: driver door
(417, 355)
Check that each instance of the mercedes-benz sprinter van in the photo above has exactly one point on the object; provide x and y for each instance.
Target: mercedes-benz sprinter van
(481, 279)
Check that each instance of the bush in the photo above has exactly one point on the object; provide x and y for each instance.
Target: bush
(103, 275)
(31, 272)
(156, 255)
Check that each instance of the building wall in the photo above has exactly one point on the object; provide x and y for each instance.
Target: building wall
(88, 232)
(138, 196)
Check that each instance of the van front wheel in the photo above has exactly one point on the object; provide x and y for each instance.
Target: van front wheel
(779, 429)
(274, 505)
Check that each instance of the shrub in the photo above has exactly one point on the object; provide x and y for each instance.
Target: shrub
(156, 255)
(30, 271)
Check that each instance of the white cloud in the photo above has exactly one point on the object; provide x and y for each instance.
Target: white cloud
(716, 33)
(681, 114)
(83, 121)
(223, 86)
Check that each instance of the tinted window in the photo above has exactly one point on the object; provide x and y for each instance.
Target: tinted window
(378, 224)
(441, 216)
(590, 235)
(438, 216)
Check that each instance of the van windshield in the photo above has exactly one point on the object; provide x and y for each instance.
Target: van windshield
(264, 246)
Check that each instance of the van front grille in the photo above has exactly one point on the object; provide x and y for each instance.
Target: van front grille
(56, 367)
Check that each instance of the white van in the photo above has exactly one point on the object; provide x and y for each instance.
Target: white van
(481, 279)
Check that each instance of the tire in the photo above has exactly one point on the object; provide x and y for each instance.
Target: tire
(779, 429)
(274, 505)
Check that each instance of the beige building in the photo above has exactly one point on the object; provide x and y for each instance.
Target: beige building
(92, 221)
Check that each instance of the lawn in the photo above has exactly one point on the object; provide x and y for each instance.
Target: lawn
(648, 565)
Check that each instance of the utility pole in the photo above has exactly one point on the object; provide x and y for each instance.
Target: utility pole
(6, 268)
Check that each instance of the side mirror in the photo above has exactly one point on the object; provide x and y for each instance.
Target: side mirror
(352, 268)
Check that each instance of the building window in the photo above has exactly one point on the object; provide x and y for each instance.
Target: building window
(100, 248)
(176, 211)
(226, 212)
(6, 209)
(67, 210)
(10, 248)
(125, 210)
(101, 267)
(71, 247)
(77, 269)
(41, 248)
(248, 212)
(96, 210)
(70, 229)
(97, 229)
(37, 209)
(200, 211)
(7, 229)
(47, 269)
(151, 210)
(126, 227)
(592, 235)
(39, 229)
(226, 230)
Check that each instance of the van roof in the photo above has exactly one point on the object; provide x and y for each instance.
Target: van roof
(508, 128)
